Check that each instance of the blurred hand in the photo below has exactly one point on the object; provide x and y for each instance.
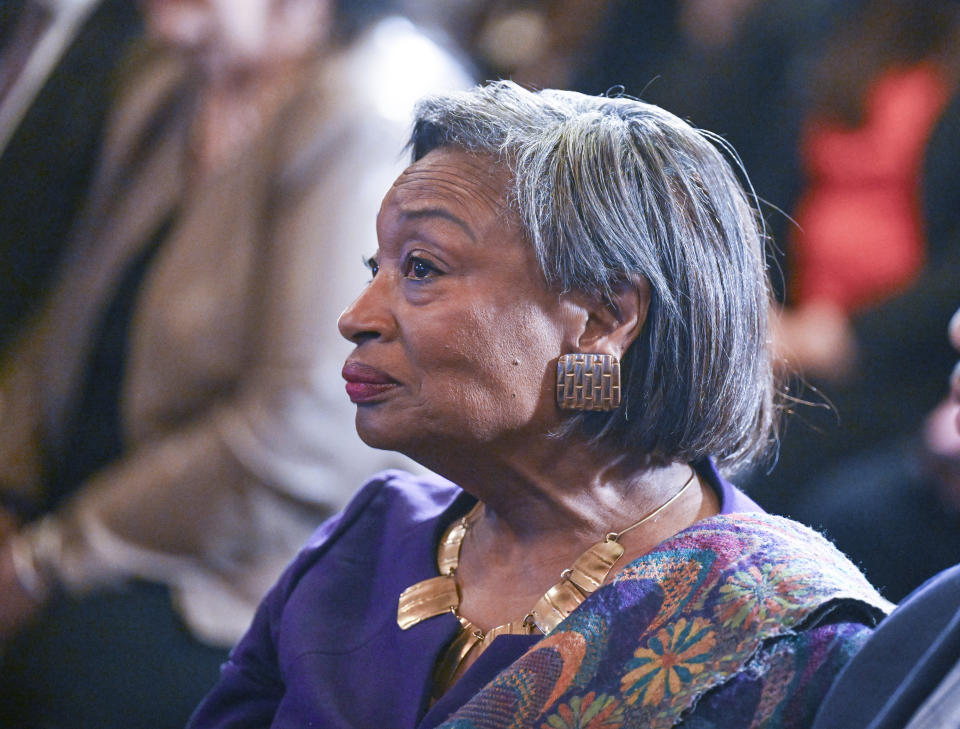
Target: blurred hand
(816, 339)
(17, 606)
(941, 435)
(941, 454)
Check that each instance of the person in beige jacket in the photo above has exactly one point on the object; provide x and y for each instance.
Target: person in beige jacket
(174, 416)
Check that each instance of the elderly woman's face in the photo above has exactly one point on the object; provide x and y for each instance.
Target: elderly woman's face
(457, 332)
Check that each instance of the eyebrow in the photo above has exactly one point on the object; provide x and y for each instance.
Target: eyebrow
(440, 213)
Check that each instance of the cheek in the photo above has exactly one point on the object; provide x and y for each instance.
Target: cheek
(495, 366)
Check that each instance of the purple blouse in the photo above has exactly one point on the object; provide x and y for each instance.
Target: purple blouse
(325, 650)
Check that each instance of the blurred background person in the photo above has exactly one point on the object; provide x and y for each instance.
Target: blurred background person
(171, 421)
(871, 270)
(58, 63)
(905, 487)
(907, 675)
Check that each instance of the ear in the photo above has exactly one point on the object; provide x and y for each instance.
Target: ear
(613, 325)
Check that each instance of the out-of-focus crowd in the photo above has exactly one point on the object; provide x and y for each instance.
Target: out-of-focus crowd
(187, 188)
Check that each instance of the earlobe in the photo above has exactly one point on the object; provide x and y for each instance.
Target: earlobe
(589, 377)
(614, 324)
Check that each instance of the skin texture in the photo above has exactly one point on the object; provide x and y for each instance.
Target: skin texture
(460, 321)
(464, 334)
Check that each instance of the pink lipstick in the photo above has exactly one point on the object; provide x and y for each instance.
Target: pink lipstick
(365, 383)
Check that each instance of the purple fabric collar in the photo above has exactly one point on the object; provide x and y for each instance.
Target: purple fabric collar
(732, 499)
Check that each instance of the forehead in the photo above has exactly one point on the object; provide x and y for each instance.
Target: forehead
(471, 184)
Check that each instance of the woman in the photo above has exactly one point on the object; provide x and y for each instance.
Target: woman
(530, 232)
(174, 415)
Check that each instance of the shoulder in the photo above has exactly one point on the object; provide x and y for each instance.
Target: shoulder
(756, 611)
(401, 499)
(785, 682)
(902, 663)
(154, 84)
(769, 566)
(750, 602)
(388, 507)
(355, 553)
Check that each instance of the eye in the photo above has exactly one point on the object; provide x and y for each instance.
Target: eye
(373, 264)
(419, 268)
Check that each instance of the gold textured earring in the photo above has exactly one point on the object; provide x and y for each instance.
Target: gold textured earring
(588, 382)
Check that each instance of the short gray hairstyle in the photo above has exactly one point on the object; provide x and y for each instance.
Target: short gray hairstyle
(608, 188)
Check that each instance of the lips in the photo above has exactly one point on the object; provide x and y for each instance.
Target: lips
(366, 383)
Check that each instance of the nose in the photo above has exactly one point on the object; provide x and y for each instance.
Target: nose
(369, 316)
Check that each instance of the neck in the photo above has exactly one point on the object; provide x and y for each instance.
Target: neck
(542, 509)
(571, 493)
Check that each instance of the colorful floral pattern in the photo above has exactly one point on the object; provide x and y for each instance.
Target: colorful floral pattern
(759, 593)
(671, 658)
(706, 623)
(587, 712)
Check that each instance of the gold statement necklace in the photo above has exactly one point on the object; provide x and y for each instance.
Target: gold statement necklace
(438, 595)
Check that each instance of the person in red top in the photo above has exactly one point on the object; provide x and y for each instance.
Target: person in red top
(878, 90)
(860, 234)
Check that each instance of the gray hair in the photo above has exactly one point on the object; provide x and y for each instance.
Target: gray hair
(608, 188)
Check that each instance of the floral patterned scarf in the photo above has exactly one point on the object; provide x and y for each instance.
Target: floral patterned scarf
(741, 620)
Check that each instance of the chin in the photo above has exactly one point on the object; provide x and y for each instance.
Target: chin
(377, 434)
(410, 441)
